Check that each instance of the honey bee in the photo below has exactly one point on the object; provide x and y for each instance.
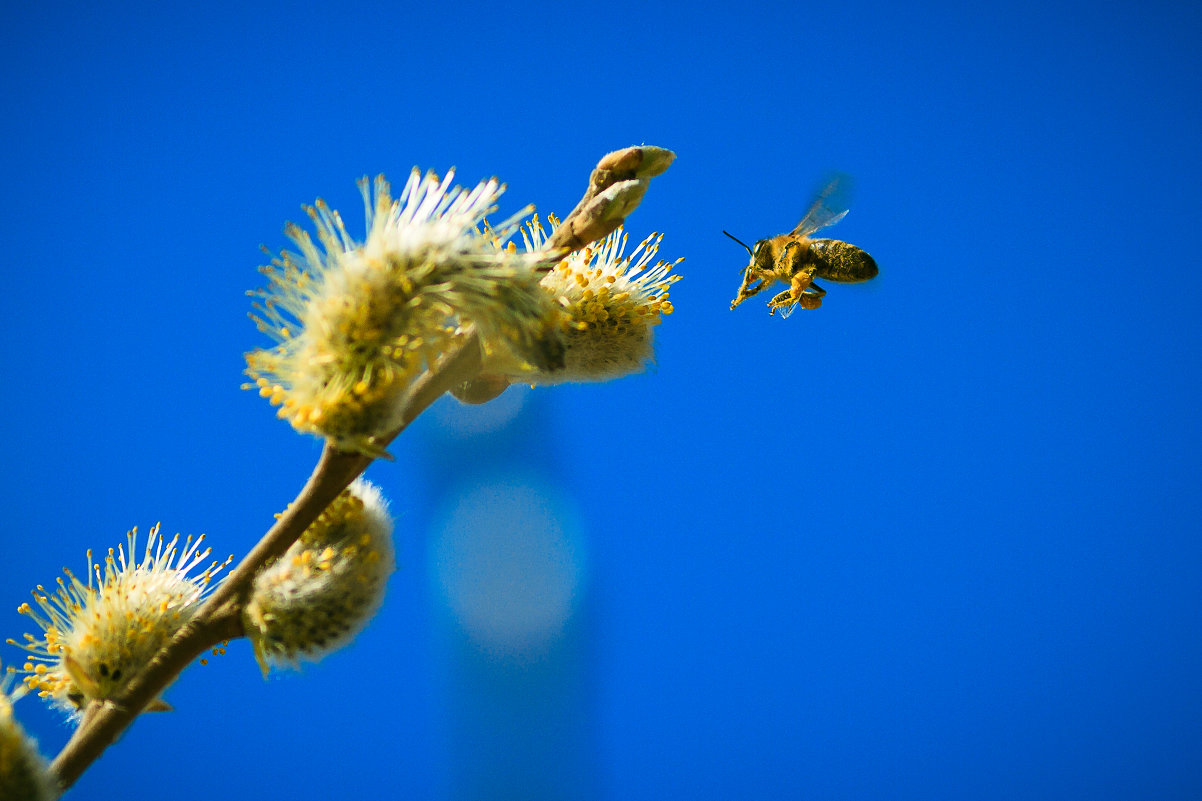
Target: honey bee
(796, 259)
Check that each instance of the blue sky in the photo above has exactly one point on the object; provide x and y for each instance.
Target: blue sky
(938, 539)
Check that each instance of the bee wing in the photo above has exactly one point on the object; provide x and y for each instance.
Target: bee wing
(828, 208)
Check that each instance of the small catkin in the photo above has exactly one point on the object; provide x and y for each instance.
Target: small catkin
(23, 773)
(609, 304)
(325, 588)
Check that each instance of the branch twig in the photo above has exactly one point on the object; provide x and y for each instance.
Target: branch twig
(220, 618)
(615, 188)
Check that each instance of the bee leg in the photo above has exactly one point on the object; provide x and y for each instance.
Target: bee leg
(800, 284)
(747, 290)
(802, 292)
(811, 298)
(787, 298)
(782, 301)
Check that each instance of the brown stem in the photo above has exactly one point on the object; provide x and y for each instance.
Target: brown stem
(615, 187)
(220, 618)
(104, 721)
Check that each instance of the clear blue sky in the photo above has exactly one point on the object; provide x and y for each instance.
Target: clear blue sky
(936, 540)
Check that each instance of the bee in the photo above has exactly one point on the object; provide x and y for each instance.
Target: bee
(796, 259)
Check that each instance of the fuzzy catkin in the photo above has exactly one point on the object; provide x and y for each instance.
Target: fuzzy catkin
(326, 587)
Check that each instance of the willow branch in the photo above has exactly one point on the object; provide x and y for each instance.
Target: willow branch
(616, 186)
(105, 720)
(220, 618)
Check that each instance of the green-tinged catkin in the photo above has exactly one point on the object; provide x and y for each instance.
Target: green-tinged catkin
(24, 775)
(322, 592)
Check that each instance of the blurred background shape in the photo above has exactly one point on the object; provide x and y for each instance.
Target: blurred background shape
(509, 574)
(509, 564)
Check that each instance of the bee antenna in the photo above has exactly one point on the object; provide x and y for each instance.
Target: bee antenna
(740, 241)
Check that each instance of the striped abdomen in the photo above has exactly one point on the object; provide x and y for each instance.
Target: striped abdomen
(839, 261)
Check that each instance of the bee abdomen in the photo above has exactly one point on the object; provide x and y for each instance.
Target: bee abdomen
(839, 261)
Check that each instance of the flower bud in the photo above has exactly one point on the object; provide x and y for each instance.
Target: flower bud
(642, 161)
(325, 588)
(480, 389)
